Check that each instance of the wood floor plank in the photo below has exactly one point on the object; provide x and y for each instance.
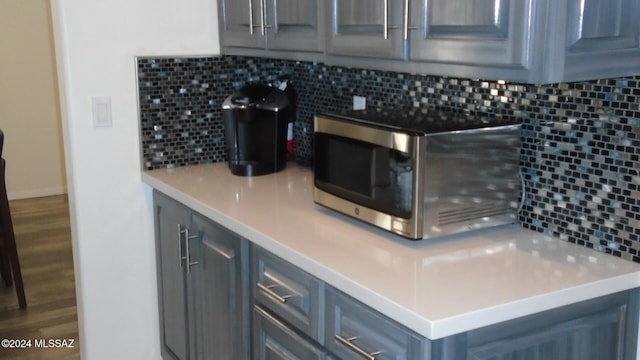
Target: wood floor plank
(43, 237)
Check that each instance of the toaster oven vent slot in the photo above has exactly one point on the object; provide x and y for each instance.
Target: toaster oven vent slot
(471, 213)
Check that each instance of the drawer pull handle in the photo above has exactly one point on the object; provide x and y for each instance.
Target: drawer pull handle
(348, 342)
(268, 290)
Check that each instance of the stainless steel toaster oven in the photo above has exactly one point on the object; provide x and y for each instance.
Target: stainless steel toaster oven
(418, 175)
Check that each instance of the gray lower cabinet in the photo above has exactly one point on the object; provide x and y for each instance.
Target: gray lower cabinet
(591, 330)
(202, 285)
(288, 292)
(220, 298)
(170, 217)
(274, 340)
(295, 314)
(353, 331)
(288, 310)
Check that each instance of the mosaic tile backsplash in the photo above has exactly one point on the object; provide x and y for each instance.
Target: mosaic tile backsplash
(580, 153)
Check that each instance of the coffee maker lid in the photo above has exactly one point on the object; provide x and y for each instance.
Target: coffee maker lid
(257, 96)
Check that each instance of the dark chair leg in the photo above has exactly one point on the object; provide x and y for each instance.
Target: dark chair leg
(5, 267)
(17, 273)
(10, 239)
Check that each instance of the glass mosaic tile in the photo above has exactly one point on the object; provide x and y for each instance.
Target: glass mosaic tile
(580, 152)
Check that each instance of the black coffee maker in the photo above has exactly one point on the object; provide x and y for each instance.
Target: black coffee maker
(256, 118)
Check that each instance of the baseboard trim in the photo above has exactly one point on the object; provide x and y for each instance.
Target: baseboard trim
(36, 193)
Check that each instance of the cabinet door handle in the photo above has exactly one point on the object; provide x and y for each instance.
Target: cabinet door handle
(348, 342)
(187, 239)
(407, 27)
(180, 252)
(262, 15)
(385, 25)
(268, 289)
(251, 26)
(405, 33)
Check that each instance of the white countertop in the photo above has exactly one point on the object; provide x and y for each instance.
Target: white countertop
(436, 288)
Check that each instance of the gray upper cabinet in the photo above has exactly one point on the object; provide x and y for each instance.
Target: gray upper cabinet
(529, 41)
(479, 34)
(603, 38)
(367, 28)
(296, 25)
(276, 25)
(480, 38)
(241, 23)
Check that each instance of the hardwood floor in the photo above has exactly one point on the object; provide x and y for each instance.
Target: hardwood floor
(43, 236)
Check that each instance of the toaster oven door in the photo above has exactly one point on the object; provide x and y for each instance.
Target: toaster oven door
(369, 173)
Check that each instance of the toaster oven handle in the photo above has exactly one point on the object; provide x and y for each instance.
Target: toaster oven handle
(399, 141)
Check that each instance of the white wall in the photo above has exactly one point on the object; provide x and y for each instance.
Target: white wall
(112, 230)
(29, 115)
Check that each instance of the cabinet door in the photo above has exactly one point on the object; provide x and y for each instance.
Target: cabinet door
(591, 330)
(602, 39)
(480, 32)
(220, 298)
(295, 25)
(171, 220)
(595, 337)
(369, 28)
(242, 23)
(275, 341)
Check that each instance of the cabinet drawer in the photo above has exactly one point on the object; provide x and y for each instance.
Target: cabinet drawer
(274, 340)
(290, 293)
(354, 331)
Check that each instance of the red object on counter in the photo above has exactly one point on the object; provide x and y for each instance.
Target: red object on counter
(290, 141)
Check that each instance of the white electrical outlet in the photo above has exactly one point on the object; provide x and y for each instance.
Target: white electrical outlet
(359, 103)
